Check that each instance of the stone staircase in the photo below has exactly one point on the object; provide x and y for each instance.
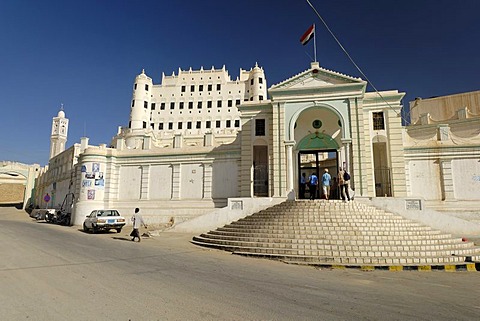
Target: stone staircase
(337, 233)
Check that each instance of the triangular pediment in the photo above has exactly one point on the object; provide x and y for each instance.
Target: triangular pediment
(316, 77)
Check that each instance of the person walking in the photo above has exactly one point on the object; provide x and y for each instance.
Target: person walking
(346, 187)
(313, 183)
(303, 183)
(326, 178)
(137, 222)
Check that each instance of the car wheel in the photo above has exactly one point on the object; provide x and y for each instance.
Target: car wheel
(119, 230)
(85, 228)
(94, 229)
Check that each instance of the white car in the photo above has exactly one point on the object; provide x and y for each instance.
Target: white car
(104, 220)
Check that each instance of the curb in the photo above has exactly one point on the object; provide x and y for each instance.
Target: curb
(467, 267)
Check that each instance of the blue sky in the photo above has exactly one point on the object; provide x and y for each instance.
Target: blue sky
(86, 54)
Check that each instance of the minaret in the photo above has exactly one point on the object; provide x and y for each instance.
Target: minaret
(141, 98)
(58, 138)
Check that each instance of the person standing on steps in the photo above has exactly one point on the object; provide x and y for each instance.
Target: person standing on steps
(137, 222)
(313, 183)
(343, 184)
(303, 183)
(326, 178)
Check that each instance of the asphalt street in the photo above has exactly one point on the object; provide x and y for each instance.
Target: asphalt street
(51, 272)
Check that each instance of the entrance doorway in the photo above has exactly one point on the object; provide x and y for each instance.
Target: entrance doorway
(316, 162)
(260, 171)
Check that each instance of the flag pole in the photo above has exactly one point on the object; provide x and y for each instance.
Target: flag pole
(314, 43)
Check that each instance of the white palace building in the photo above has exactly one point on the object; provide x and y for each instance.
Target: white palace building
(201, 143)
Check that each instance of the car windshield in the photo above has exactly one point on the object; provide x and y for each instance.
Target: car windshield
(107, 213)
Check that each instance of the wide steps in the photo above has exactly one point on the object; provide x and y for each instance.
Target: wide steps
(321, 232)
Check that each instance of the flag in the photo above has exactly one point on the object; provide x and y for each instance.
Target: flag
(308, 35)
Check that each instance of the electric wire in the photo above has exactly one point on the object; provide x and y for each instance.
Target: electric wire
(353, 62)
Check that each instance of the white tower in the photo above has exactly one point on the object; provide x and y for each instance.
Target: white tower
(141, 100)
(257, 84)
(58, 138)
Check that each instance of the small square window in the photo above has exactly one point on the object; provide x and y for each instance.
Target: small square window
(208, 124)
(229, 123)
(199, 105)
(192, 88)
(179, 125)
(135, 87)
(251, 81)
(146, 87)
(237, 102)
(144, 124)
(200, 88)
(378, 121)
(219, 87)
(189, 125)
(160, 126)
(183, 88)
(260, 97)
(145, 104)
(219, 103)
(153, 106)
(230, 103)
(162, 106)
(190, 105)
(170, 125)
(181, 105)
(217, 124)
(172, 105)
(209, 104)
(133, 103)
(260, 80)
(199, 124)
(209, 88)
(152, 125)
(237, 123)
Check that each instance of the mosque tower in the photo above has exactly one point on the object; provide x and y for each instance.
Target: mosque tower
(257, 84)
(58, 138)
(141, 100)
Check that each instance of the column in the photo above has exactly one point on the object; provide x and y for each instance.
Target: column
(290, 182)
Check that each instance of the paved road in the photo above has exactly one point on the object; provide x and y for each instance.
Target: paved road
(50, 272)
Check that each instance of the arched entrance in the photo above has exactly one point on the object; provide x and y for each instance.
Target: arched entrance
(317, 152)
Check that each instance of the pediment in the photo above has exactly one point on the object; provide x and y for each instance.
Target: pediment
(315, 77)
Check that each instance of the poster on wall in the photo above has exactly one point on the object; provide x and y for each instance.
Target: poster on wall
(96, 167)
(86, 183)
(84, 169)
(91, 194)
(89, 175)
(99, 183)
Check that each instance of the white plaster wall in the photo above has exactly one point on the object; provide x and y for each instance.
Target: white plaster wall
(466, 179)
(191, 178)
(425, 179)
(129, 183)
(160, 182)
(225, 179)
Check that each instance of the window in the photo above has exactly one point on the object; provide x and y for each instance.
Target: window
(378, 121)
(209, 104)
(237, 102)
(160, 126)
(217, 124)
(133, 103)
(129, 124)
(230, 103)
(144, 124)
(172, 105)
(135, 87)
(183, 88)
(199, 124)
(189, 125)
(251, 81)
(260, 97)
(200, 88)
(170, 125)
(146, 87)
(145, 104)
(199, 105)
(219, 87)
(181, 105)
(260, 80)
(237, 123)
(219, 103)
(259, 127)
(190, 105)
(179, 125)
(229, 123)
(192, 88)
(162, 106)
(152, 106)
(209, 88)
(152, 125)
(208, 124)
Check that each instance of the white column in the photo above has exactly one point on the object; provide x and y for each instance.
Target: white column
(290, 188)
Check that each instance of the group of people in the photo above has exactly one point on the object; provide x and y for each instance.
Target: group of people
(340, 186)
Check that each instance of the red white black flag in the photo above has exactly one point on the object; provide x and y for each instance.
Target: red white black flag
(308, 35)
